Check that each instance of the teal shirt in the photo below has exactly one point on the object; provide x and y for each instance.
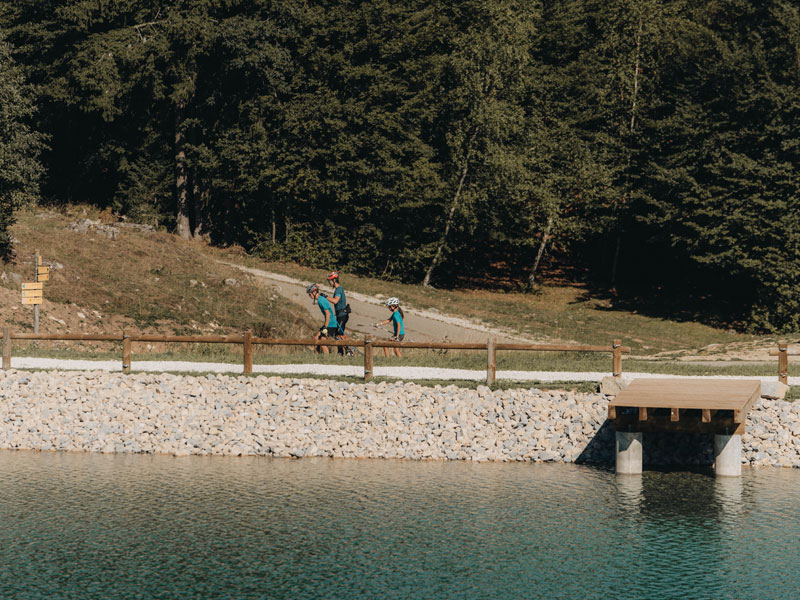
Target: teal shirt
(341, 299)
(325, 305)
(397, 322)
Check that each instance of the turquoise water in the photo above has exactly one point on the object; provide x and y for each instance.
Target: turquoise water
(116, 526)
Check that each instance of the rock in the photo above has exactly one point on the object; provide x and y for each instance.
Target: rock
(227, 415)
(94, 226)
(136, 227)
(11, 278)
(773, 390)
(232, 282)
(611, 386)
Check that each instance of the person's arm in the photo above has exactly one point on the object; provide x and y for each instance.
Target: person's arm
(379, 323)
(326, 312)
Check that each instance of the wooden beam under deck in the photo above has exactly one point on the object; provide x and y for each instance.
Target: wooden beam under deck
(720, 425)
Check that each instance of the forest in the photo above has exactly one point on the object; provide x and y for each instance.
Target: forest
(648, 148)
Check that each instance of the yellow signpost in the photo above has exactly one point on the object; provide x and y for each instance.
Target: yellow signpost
(32, 293)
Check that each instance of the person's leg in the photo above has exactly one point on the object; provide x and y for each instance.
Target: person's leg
(323, 349)
(397, 352)
(341, 335)
(317, 349)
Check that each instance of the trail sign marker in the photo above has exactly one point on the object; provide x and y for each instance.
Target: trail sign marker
(32, 293)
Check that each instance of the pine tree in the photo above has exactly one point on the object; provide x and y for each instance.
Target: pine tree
(20, 146)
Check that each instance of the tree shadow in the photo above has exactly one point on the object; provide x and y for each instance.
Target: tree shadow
(682, 306)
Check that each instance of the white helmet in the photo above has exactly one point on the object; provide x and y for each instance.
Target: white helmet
(393, 302)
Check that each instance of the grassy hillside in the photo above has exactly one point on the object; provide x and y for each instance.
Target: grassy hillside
(555, 313)
(145, 280)
(154, 282)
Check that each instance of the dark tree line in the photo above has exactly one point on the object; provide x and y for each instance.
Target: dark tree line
(650, 145)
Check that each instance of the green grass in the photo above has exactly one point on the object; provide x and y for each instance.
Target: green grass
(457, 360)
(555, 312)
(516, 361)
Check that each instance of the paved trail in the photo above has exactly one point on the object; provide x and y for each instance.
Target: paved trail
(420, 325)
(406, 373)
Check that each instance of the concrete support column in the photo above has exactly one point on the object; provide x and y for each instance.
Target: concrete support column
(629, 453)
(728, 455)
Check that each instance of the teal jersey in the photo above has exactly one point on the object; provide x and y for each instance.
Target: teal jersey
(341, 299)
(397, 322)
(325, 305)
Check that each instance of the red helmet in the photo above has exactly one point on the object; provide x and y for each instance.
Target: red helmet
(333, 275)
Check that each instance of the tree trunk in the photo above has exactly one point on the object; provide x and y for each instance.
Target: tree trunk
(427, 280)
(182, 227)
(199, 195)
(540, 253)
(274, 228)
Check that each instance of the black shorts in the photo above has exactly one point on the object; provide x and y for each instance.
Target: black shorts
(342, 317)
(400, 337)
(332, 331)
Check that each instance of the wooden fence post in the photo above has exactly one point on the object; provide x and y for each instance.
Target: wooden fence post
(6, 347)
(616, 365)
(783, 363)
(491, 365)
(126, 352)
(247, 342)
(367, 359)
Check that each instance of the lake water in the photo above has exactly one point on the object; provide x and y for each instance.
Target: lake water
(134, 526)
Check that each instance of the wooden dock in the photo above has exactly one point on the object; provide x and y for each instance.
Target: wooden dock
(714, 406)
(693, 405)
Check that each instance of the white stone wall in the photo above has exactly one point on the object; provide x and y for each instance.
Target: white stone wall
(226, 415)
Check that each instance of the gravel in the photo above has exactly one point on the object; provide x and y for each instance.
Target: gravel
(273, 416)
(407, 373)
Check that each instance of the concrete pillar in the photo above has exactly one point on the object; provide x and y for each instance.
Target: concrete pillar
(629, 453)
(728, 455)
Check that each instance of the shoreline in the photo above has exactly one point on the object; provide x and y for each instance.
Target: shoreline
(274, 416)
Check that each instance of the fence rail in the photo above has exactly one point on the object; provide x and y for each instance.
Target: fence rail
(247, 340)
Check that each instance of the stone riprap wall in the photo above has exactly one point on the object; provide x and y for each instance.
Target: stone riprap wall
(226, 415)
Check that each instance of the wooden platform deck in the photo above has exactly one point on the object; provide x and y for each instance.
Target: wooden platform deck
(717, 406)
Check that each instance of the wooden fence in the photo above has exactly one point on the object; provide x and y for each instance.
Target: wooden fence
(246, 339)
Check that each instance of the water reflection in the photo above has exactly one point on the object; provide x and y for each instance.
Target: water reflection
(729, 496)
(630, 492)
(102, 526)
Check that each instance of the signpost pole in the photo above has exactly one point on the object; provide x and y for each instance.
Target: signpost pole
(36, 306)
